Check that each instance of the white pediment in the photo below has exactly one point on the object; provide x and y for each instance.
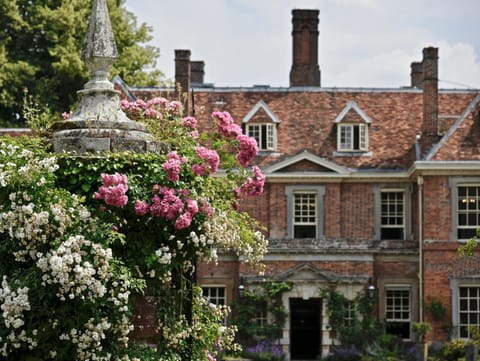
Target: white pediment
(306, 155)
(305, 272)
(261, 105)
(351, 105)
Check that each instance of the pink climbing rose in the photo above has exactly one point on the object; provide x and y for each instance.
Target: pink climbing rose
(113, 190)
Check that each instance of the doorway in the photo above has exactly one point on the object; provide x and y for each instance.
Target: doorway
(305, 328)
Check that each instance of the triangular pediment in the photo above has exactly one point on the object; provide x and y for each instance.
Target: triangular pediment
(306, 162)
(352, 113)
(306, 272)
(261, 113)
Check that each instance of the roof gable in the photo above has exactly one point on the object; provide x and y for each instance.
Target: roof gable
(261, 108)
(352, 114)
(301, 160)
(449, 136)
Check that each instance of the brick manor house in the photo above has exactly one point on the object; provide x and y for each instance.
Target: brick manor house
(365, 188)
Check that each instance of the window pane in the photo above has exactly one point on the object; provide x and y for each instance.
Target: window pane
(253, 131)
(345, 137)
(270, 137)
(468, 211)
(392, 215)
(469, 310)
(397, 313)
(304, 232)
(215, 295)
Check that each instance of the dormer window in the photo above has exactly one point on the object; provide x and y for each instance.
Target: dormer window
(352, 137)
(264, 134)
(261, 124)
(352, 129)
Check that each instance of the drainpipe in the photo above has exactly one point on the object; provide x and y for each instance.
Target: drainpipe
(420, 248)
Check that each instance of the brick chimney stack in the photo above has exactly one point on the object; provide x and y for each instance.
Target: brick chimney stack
(416, 75)
(197, 71)
(305, 70)
(182, 78)
(430, 91)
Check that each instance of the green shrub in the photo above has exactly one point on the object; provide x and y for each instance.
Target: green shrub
(453, 350)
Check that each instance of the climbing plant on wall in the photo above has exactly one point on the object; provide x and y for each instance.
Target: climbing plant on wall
(80, 234)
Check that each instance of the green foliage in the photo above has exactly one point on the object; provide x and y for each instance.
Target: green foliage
(361, 331)
(454, 350)
(468, 248)
(40, 49)
(436, 309)
(421, 329)
(58, 286)
(265, 298)
(51, 206)
(384, 348)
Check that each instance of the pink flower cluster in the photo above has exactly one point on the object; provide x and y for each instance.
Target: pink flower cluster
(248, 149)
(113, 189)
(211, 157)
(151, 109)
(227, 128)
(169, 204)
(254, 185)
(190, 122)
(173, 166)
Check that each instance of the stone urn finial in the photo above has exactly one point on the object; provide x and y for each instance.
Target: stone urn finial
(98, 124)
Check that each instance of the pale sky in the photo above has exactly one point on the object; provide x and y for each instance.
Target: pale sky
(362, 43)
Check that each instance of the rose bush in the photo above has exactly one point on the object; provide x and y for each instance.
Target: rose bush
(80, 234)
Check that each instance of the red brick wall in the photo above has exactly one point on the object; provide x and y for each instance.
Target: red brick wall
(437, 208)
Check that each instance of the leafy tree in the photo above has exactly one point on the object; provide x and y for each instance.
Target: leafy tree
(40, 47)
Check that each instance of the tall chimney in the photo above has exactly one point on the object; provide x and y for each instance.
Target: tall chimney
(305, 70)
(197, 71)
(416, 75)
(182, 78)
(430, 91)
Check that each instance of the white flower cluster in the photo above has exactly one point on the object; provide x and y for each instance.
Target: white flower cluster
(49, 229)
(67, 267)
(31, 168)
(89, 341)
(251, 247)
(119, 294)
(33, 226)
(13, 304)
(164, 255)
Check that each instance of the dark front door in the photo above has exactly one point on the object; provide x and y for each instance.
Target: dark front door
(305, 330)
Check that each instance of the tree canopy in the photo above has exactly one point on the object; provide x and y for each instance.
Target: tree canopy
(40, 48)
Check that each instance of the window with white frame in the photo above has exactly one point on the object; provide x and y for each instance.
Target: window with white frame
(468, 210)
(350, 314)
(305, 211)
(393, 207)
(468, 309)
(264, 134)
(215, 295)
(261, 320)
(352, 137)
(305, 215)
(398, 312)
(392, 214)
